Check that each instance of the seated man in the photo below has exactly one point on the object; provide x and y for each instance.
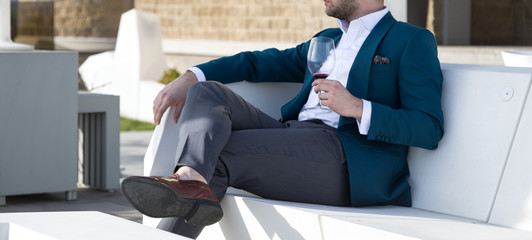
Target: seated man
(384, 95)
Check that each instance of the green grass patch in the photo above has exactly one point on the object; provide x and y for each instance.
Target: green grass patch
(169, 76)
(127, 124)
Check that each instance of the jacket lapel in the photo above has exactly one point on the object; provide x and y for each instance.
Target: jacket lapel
(358, 81)
(359, 74)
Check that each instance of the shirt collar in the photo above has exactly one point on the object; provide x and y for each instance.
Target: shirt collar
(369, 20)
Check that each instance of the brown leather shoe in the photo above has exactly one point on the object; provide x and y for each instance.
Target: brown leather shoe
(170, 197)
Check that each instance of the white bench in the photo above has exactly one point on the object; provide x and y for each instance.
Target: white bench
(517, 58)
(476, 185)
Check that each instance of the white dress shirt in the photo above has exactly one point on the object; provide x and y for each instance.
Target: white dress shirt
(354, 35)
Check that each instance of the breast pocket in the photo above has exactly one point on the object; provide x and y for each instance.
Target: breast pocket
(383, 84)
(376, 68)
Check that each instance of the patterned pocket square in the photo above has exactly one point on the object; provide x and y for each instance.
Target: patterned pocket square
(380, 60)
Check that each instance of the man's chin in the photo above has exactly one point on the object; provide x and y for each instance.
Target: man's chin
(329, 13)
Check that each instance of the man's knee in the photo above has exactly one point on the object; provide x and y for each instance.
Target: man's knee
(206, 85)
(213, 91)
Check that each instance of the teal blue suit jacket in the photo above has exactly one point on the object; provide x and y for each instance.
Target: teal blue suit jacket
(405, 97)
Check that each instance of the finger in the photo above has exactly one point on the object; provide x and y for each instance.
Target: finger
(177, 112)
(156, 118)
(323, 96)
(155, 108)
(321, 88)
(317, 82)
(159, 113)
(324, 81)
(156, 104)
(324, 103)
(161, 105)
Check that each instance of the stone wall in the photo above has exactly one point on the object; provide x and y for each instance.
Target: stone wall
(493, 22)
(239, 20)
(37, 22)
(500, 22)
(33, 22)
(89, 18)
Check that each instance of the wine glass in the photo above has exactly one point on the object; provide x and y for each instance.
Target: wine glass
(320, 59)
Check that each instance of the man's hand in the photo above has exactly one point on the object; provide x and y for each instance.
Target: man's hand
(174, 94)
(335, 96)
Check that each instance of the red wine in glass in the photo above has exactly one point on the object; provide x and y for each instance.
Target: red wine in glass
(320, 59)
(320, 75)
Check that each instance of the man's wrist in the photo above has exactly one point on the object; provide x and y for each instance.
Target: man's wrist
(190, 76)
(365, 120)
(199, 74)
(357, 109)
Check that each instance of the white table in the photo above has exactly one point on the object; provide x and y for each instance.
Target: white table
(75, 225)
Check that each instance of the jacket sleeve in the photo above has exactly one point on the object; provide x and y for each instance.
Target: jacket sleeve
(270, 65)
(419, 120)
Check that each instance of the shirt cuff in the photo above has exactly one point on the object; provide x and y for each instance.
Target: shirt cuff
(363, 125)
(199, 74)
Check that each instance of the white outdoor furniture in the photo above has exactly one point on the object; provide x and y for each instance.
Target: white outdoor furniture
(130, 71)
(476, 185)
(75, 225)
(38, 123)
(517, 58)
(99, 140)
(39, 127)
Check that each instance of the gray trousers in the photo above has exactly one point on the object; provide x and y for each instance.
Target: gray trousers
(233, 144)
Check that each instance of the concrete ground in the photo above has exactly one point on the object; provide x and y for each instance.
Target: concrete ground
(133, 146)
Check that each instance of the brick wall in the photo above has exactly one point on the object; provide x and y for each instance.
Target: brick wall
(34, 17)
(33, 22)
(239, 20)
(89, 18)
(494, 22)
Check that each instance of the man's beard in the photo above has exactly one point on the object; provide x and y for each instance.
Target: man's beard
(343, 10)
